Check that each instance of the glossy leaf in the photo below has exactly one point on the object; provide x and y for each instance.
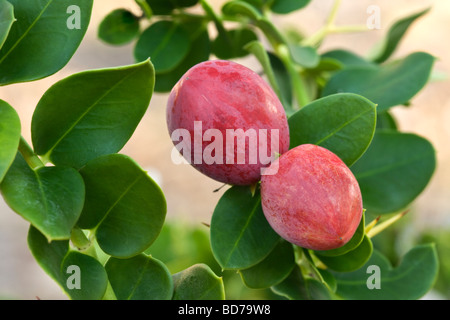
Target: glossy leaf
(166, 43)
(394, 36)
(198, 283)
(43, 39)
(341, 123)
(351, 260)
(50, 198)
(83, 277)
(232, 44)
(10, 130)
(124, 206)
(200, 51)
(298, 287)
(287, 6)
(98, 117)
(394, 171)
(139, 278)
(272, 270)
(49, 255)
(119, 27)
(240, 234)
(6, 20)
(354, 242)
(389, 85)
(411, 279)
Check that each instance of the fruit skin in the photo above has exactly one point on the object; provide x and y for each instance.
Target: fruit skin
(226, 95)
(314, 200)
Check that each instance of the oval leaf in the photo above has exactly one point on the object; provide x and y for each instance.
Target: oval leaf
(166, 43)
(378, 280)
(83, 277)
(119, 27)
(240, 234)
(394, 171)
(351, 260)
(10, 131)
(388, 85)
(43, 39)
(342, 123)
(51, 198)
(98, 117)
(139, 278)
(272, 270)
(124, 206)
(198, 283)
(49, 255)
(394, 36)
(287, 6)
(6, 20)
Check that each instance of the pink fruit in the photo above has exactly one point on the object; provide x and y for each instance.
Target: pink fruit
(313, 201)
(227, 121)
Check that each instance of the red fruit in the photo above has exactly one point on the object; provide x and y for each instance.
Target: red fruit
(314, 200)
(214, 102)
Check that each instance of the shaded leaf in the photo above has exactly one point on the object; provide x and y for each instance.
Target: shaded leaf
(231, 45)
(287, 6)
(10, 131)
(198, 282)
(240, 234)
(119, 27)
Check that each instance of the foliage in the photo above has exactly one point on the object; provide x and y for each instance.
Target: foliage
(97, 210)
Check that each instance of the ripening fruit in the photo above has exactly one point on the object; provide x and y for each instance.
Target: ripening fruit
(313, 200)
(226, 121)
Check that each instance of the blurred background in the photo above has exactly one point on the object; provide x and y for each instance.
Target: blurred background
(190, 195)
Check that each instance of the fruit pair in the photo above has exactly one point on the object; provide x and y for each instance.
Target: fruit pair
(227, 122)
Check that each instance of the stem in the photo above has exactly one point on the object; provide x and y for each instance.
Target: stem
(378, 228)
(28, 154)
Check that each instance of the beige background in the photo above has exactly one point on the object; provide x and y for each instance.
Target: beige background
(189, 194)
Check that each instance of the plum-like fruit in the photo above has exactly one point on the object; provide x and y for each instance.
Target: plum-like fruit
(314, 200)
(227, 121)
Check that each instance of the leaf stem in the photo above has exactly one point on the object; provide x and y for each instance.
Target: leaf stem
(28, 154)
(383, 225)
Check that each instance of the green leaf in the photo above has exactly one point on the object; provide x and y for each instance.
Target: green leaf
(348, 59)
(298, 287)
(410, 280)
(232, 44)
(49, 255)
(394, 171)
(98, 117)
(287, 6)
(10, 131)
(351, 260)
(394, 36)
(43, 39)
(354, 242)
(305, 56)
(389, 85)
(272, 270)
(161, 7)
(184, 3)
(6, 20)
(240, 234)
(124, 206)
(166, 43)
(119, 27)
(341, 123)
(284, 82)
(198, 283)
(200, 51)
(50, 198)
(139, 278)
(385, 120)
(83, 277)
(236, 7)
